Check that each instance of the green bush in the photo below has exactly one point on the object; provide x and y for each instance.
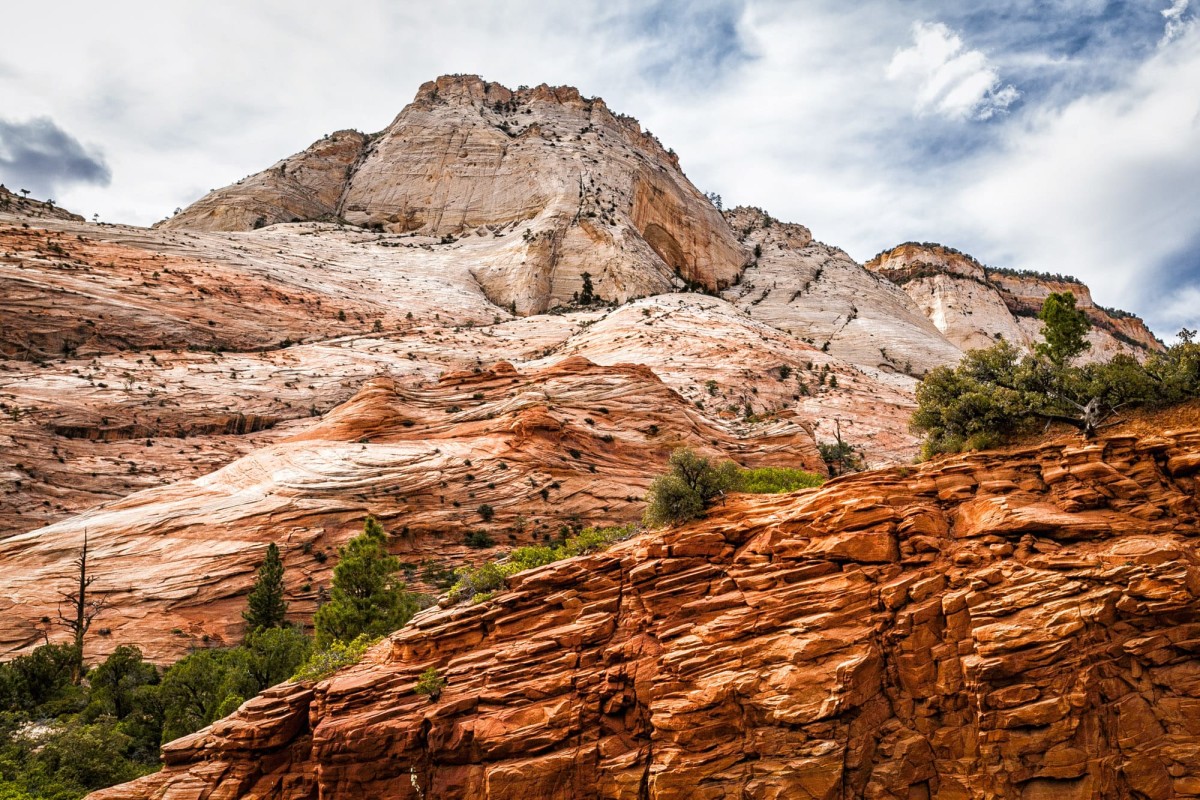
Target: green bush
(430, 684)
(774, 480)
(478, 583)
(61, 741)
(477, 539)
(996, 394)
(330, 659)
(692, 484)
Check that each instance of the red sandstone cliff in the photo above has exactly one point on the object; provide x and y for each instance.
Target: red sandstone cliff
(996, 625)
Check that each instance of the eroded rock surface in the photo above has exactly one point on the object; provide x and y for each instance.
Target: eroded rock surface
(574, 443)
(584, 189)
(819, 294)
(998, 625)
(137, 358)
(974, 305)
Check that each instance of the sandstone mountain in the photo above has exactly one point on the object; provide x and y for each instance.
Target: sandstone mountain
(584, 189)
(1016, 624)
(398, 324)
(820, 294)
(975, 305)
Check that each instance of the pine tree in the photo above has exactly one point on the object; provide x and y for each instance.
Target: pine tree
(1065, 329)
(267, 607)
(587, 297)
(365, 597)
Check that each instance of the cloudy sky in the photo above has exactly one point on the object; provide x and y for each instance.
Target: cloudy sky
(1058, 135)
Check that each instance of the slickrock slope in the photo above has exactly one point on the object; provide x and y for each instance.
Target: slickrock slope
(106, 329)
(1017, 624)
(582, 189)
(10, 203)
(732, 365)
(575, 443)
(307, 186)
(819, 294)
(110, 333)
(974, 305)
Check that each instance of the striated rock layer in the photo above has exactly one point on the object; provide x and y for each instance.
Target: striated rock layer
(997, 625)
(571, 444)
(818, 293)
(136, 358)
(974, 305)
(586, 189)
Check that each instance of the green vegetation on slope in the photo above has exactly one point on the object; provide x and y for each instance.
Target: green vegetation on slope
(478, 583)
(693, 483)
(996, 394)
(63, 734)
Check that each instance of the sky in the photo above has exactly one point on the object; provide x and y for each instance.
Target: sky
(1055, 135)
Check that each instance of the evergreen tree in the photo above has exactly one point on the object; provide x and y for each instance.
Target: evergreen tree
(267, 607)
(366, 596)
(587, 297)
(1065, 329)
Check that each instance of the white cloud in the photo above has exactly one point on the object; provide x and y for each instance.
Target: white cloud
(1177, 21)
(1104, 188)
(948, 79)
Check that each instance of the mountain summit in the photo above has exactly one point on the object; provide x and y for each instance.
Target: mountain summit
(588, 190)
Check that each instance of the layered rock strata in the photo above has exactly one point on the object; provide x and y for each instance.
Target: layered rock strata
(996, 625)
(821, 295)
(569, 445)
(974, 306)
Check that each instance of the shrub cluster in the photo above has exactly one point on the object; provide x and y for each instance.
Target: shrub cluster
(694, 483)
(478, 583)
(997, 393)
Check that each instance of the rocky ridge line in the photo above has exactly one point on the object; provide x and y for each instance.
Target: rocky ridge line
(586, 189)
(974, 305)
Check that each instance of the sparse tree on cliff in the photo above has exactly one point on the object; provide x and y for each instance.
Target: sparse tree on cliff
(82, 608)
(1064, 330)
(691, 486)
(266, 607)
(587, 296)
(996, 393)
(366, 596)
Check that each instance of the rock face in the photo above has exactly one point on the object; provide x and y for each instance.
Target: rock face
(307, 186)
(570, 444)
(974, 305)
(10, 203)
(136, 358)
(819, 294)
(586, 190)
(998, 625)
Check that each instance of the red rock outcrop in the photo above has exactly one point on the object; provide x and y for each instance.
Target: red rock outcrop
(1017, 624)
